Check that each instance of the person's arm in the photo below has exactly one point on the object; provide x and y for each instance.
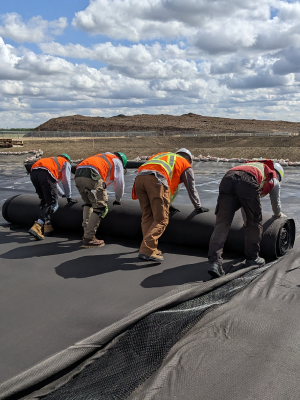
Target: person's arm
(275, 198)
(118, 179)
(66, 179)
(60, 191)
(188, 178)
(244, 215)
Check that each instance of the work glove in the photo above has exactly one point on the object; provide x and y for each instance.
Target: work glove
(201, 210)
(116, 203)
(281, 215)
(173, 210)
(71, 201)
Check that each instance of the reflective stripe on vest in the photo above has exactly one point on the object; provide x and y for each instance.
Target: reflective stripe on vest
(55, 159)
(261, 168)
(103, 156)
(168, 165)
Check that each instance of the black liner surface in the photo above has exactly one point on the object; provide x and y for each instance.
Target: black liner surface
(56, 365)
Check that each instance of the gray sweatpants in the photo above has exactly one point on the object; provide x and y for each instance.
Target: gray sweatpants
(237, 189)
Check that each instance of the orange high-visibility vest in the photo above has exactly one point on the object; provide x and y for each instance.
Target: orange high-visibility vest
(53, 164)
(263, 171)
(170, 165)
(103, 163)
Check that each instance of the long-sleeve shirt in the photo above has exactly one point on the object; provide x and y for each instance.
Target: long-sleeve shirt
(275, 200)
(65, 180)
(118, 181)
(187, 177)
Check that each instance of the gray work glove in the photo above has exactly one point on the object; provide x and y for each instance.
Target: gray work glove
(173, 211)
(281, 215)
(71, 201)
(116, 203)
(201, 210)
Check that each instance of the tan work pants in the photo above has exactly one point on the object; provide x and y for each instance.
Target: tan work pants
(154, 200)
(94, 194)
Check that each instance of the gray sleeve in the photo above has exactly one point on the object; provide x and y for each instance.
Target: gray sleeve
(119, 178)
(243, 214)
(188, 179)
(275, 198)
(60, 191)
(66, 179)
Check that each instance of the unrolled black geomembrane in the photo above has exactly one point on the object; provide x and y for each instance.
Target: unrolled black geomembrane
(141, 350)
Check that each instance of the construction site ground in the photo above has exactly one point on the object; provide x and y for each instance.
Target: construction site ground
(287, 147)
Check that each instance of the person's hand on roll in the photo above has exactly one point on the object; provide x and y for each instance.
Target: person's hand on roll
(281, 215)
(201, 210)
(72, 201)
(173, 210)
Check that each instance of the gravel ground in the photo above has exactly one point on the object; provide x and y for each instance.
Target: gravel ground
(273, 147)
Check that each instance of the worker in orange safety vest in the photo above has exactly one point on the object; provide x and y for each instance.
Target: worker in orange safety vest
(156, 186)
(92, 177)
(45, 175)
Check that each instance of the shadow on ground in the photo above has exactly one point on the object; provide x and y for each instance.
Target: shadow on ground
(87, 266)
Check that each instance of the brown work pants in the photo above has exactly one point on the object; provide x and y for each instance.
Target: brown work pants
(237, 189)
(154, 200)
(94, 194)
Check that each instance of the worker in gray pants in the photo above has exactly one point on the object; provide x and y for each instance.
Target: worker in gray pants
(242, 187)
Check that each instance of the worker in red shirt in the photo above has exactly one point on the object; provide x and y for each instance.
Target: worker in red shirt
(242, 187)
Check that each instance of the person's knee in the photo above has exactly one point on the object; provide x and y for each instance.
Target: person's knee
(53, 207)
(164, 221)
(100, 211)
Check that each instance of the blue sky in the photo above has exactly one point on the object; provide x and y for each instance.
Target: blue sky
(229, 58)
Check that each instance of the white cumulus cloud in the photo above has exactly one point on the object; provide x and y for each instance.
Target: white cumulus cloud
(35, 30)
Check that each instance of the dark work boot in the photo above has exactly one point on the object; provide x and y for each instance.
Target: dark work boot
(259, 262)
(215, 270)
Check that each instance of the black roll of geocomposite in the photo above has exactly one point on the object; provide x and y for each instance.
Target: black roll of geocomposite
(186, 228)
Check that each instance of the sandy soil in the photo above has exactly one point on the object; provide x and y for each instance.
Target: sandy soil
(167, 123)
(276, 147)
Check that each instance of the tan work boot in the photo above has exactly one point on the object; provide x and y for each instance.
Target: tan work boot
(154, 257)
(48, 229)
(90, 243)
(36, 231)
(158, 252)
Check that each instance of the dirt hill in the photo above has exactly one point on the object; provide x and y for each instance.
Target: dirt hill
(246, 147)
(167, 123)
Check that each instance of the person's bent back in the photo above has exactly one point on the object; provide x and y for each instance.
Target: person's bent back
(242, 187)
(45, 175)
(156, 186)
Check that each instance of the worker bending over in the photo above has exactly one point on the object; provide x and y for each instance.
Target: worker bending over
(45, 174)
(243, 186)
(92, 176)
(156, 186)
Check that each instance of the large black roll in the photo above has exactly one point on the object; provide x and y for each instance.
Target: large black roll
(186, 228)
